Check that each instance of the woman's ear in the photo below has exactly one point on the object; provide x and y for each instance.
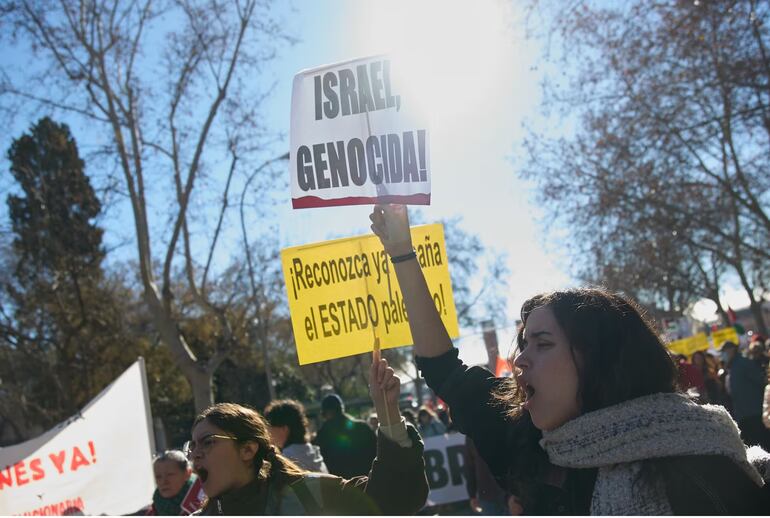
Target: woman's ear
(248, 451)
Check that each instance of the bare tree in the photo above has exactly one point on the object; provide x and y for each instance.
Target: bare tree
(172, 85)
(667, 166)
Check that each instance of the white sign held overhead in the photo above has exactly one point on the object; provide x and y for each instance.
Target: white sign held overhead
(97, 462)
(354, 139)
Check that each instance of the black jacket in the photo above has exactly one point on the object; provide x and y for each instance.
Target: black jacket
(705, 484)
(348, 446)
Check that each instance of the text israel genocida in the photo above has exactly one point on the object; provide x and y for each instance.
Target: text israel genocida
(389, 158)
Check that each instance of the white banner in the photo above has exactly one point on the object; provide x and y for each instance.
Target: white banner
(355, 139)
(445, 468)
(97, 462)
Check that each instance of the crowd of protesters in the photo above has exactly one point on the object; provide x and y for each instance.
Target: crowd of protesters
(737, 380)
(598, 419)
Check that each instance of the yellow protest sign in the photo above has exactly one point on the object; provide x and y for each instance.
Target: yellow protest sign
(689, 345)
(344, 293)
(722, 335)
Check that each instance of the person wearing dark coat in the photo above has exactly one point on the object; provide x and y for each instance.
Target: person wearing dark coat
(746, 386)
(593, 421)
(348, 445)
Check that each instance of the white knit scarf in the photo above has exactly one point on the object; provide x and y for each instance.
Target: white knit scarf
(616, 439)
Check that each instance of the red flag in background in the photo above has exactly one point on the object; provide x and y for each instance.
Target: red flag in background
(503, 369)
(194, 498)
(731, 316)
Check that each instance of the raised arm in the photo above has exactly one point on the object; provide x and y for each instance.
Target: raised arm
(391, 224)
(396, 483)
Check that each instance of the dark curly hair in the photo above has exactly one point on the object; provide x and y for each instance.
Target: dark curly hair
(291, 413)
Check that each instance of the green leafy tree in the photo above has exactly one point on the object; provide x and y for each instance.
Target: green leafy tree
(64, 334)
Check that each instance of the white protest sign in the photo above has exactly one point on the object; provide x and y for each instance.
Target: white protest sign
(97, 462)
(355, 139)
(445, 468)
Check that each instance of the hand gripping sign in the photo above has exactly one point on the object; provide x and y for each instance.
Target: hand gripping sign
(343, 294)
(354, 140)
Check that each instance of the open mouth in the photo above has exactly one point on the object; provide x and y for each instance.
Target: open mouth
(203, 474)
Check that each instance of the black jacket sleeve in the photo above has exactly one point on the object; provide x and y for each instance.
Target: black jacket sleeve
(396, 483)
(468, 392)
(711, 485)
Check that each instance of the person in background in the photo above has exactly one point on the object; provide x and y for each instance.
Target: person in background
(757, 354)
(348, 445)
(444, 416)
(487, 497)
(428, 423)
(690, 377)
(243, 473)
(288, 431)
(746, 385)
(706, 365)
(174, 480)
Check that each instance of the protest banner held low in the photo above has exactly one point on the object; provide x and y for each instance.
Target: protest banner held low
(97, 462)
(445, 469)
(354, 139)
(343, 293)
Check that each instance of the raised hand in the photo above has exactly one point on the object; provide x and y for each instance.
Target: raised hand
(391, 224)
(385, 390)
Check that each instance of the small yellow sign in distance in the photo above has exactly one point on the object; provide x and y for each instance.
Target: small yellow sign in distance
(689, 345)
(700, 342)
(344, 293)
(721, 335)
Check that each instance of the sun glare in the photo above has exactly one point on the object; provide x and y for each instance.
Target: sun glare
(448, 55)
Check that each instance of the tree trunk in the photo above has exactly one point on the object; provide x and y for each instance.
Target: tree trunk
(197, 376)
(723, 316)
(756, 307)
(266, 357)
(756, 311)
(202, 388)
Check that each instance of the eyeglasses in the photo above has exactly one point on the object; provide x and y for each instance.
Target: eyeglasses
(205, 444)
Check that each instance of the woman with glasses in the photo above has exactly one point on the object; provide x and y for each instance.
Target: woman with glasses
(243, 473)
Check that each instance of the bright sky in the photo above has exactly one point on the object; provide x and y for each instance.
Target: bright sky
(472, 71)
(477, 77)
(469, 68)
